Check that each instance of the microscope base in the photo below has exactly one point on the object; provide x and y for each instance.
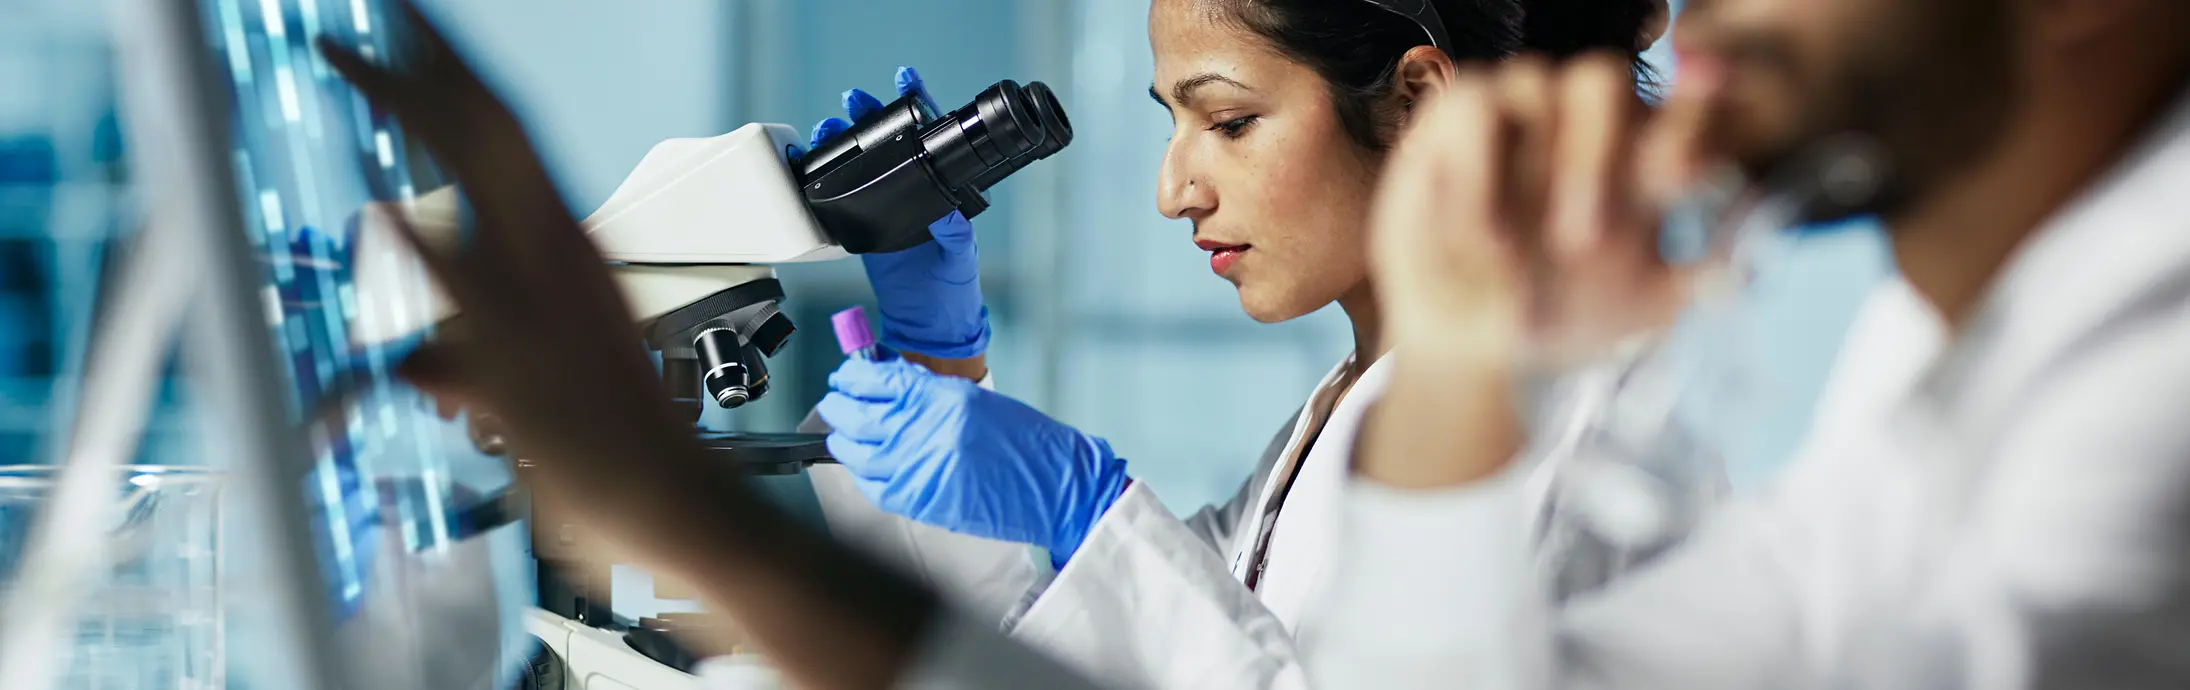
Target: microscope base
(599, 659)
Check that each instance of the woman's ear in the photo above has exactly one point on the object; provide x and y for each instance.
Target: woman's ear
(1655, 25)
(1422, 73)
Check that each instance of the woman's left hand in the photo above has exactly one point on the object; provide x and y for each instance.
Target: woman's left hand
(929, 295)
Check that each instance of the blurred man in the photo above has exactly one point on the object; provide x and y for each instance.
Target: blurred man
(1997, 490)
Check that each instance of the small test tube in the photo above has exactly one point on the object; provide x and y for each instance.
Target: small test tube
(853, 335)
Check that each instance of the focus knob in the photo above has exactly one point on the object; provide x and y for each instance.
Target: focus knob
(543, 670)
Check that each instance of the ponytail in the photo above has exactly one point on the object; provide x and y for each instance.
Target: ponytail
(1356, 46)
(1565, 28)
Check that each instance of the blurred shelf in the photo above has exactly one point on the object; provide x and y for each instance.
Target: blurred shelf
(74, 202)
(23, 404)
(17, 418)
(23, 408)
(52, 22)
(21, 193)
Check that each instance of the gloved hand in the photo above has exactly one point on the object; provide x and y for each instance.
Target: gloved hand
(930, 295)
(944, 451)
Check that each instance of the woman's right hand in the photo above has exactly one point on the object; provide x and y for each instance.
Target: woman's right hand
(930, 295)
(944, 451)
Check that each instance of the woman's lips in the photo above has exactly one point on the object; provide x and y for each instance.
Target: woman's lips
(1223, 256)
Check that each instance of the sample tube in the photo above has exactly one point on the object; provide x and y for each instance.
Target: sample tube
(853, 336)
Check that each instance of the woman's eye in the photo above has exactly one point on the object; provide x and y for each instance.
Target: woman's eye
(1233, 128)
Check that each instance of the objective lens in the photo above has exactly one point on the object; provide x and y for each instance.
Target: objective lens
(725, 377)
(683, 378)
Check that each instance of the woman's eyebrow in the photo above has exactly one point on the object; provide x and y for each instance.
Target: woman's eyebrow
(1182, 91)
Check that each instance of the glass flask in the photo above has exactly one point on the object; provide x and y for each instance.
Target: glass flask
(154, 620)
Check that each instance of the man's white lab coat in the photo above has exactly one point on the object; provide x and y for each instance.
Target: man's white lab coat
(2010, 509)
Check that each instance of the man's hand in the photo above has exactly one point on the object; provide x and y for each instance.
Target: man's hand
(1513, 225)
(1516, 233)
(547, 345)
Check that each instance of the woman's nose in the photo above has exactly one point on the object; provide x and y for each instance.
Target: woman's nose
(1178, 193)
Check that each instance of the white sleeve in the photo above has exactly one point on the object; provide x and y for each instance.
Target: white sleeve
(955, 652)
(2073, 570)
(990, 579)
(1432, 590)
(1147, 603)
(959, 653)
(1440, 589)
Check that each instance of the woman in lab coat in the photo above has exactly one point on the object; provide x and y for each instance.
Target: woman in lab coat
(1283, 111)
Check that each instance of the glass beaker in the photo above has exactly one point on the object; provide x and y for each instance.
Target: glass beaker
(153, 620)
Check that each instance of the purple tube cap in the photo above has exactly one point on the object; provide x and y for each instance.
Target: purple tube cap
(852, 331)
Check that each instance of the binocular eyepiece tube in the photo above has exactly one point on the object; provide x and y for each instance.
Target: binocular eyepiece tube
(878, 186)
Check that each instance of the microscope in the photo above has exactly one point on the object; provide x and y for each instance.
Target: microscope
(692, 235)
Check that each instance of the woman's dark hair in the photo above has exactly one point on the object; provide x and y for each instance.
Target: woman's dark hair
(1356, 45)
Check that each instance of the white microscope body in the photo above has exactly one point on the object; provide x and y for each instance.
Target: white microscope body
(692, 236)
(696, 218)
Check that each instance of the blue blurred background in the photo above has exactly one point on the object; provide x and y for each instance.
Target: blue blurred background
(1105, 315)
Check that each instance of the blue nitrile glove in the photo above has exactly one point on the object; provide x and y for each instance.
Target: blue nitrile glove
(944, 451)
(930, 295)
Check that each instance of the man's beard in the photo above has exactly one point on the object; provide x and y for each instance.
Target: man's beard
(1931, 88)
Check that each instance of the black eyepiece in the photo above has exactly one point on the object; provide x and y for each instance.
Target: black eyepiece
(876, 187)
(1052, 115)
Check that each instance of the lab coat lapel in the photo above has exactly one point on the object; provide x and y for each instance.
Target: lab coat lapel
(1307, 524)
(1256, 522)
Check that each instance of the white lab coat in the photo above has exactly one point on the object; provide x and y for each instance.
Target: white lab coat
(1152, 600)
(2010, 509)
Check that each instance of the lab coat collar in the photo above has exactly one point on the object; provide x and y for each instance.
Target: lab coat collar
(2118, 243)
(1313, 415)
